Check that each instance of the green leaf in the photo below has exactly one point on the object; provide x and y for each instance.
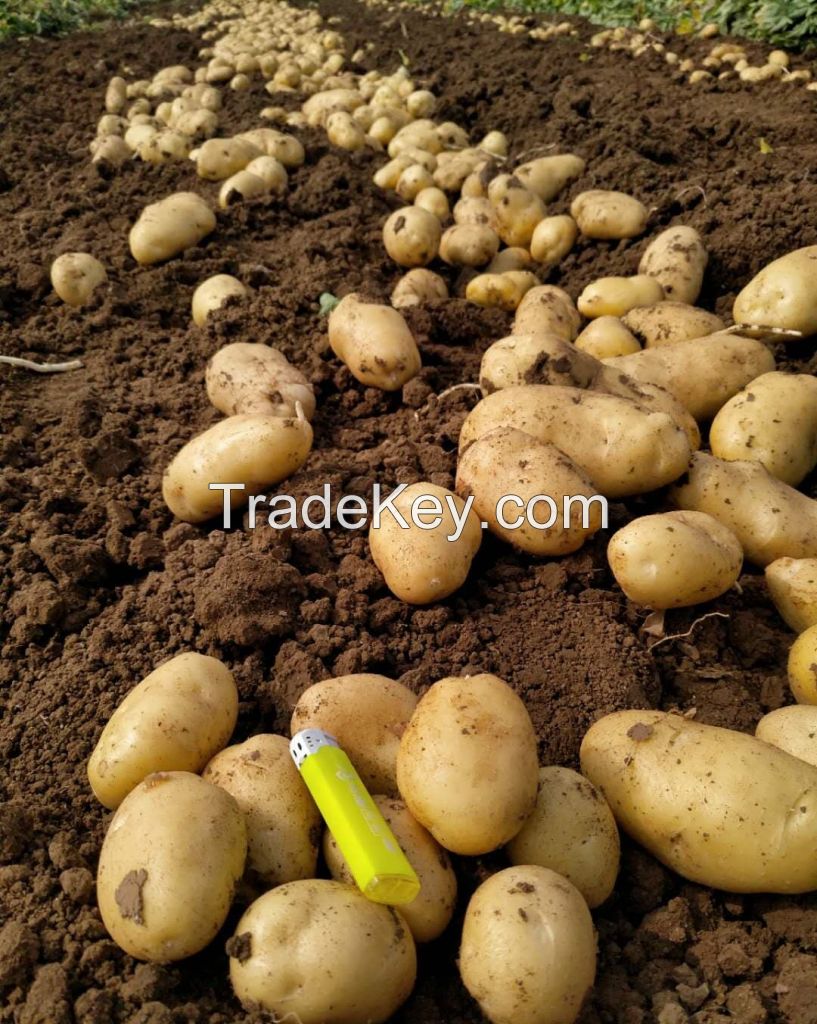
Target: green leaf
(326, 303)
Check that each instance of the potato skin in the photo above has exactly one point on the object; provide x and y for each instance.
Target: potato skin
(169, 226)
(793, 729)
(615, 296)
(528, 953)
(461, 729)
(712, 804)
(801, 662)
(548, 310)
(75, 276)
(375, 343)
(664, 323)
(417, 287)
(212, 293)
(608, 215)
(677, 259)
(792, 584)
(222, 158)
(469, 245)
(175, 719)
(412, 236)
(248, 379)
(299, 948)
(782, 294)
(169, 866)
(547, 176)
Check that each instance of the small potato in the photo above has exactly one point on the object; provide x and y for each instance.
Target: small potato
(221, 158)
(793, 729)
(139, 135)
(468, 245)
(211, 295)
(712, 804)
(411, 236)
(320, 107)
(111, 124)
(168, 227)
(414, 180)
(240, 186)
(429, 914)
(75, 276)
(176, 719)
(432, 199)
(475, 211)
(802, 674)
(246, 378)
(606, 337)
(773, 421)
(254, 450)
(572, 831)
(667, 322)
(792, 584)
(283, 823)
(417, 287)
(196, 124)
(285, 148)
(298, 949)
(389, 174)
(429, 558)
(494, 291)
(460, 726)
(514, 258)
(421, 103)
(677, 259)
(547, 310)
(343, 131)
(547, 176)
(675, 559)
(418, 134)
(169, 866)
(782, 294)
(383, 129)
(552, 239)
(615, 296)
(452, 135)
(271, 171)
(375, 342)
(165, 146)
(110, 151)
(518, 211)
(609, 215)
(116, 95)
(528, 923)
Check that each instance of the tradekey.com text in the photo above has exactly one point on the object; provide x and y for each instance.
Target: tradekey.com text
(426, 512)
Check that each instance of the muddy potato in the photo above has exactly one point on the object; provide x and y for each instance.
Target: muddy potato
(782, 294)
(254, 450)
(605, 215)
(213, 293)
(197, 124)
(518, 211)
(434, 200)
(429, 914)
(514, 258)
(298, 951)
(477, 211)
(221, 158)
(792, 584)
(75, 276)
(421, 103)
(169, 866)
(283, 823)
(793, 729)
(170, 226)
(495, 143)
(802, 659)
(615, 296)
(460, 725)
(494, 291)
(547, 310)
(548, 175)
(418, 286)
(712, 804)
(320, 107)
(414, 180)
(606, 337)
(165, 146)
(271, 171)
(286, 149)
(468, 245)
(419, 563)
(553, 238)
(572, 831)
(411, 236)
(528, 923)
(110, 151)
(240, 186)
(249, 378)
(677, 259)
(375, 342)
(176, 719)
(389, 174)
(343, 131)
(667, 322)
(116, 95)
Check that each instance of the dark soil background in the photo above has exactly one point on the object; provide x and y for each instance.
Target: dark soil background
(98, 584)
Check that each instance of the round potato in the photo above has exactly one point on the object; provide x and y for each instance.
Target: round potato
(677, 259)
(553, 238)
(802, 674)
(414, 180)
(411, 236)
(248, 379)
(792, 584)
(604, 215)
(211, 295)
(547, 310)
(170, 226)
(75, 276)
(518, 211)
(417, 287)
(375, 342)
(667, 322)
(435, 201)
(469, 245)
(498, 291)
(606, 337)
(475, 210)
(514, 258)
(793, 729)
(782, 294)
(615, 296)
(271, 171)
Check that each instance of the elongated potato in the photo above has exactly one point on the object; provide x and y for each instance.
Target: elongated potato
(782, 294)
(254, 450)
(169, 866)
(547, 176)
(318, 108)
(461, 725)
(606, 337)
(802, 674)
(247, 379)
(417, 287)
(75, 276)
(677, 259)
(615, 296)
(375, 342)
(518, 211)
(547, 310)
(605, 215)
(531, 925)
(719, 807)
(553, 238)
(211, 295)
(412, 236)
(468, 245)
(667, 322)
(218, 159)
(792, 584)
(166, 228)
(500, 291)
(793, 729)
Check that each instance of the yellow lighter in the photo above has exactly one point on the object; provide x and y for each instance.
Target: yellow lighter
(378, 865)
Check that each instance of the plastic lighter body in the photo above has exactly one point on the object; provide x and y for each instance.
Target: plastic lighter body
(378, 865)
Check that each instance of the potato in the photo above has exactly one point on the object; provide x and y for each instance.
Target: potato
(139, 135)
(200, 124)
(285, 148)
(452, 135)
(547, 310)
(375, 342)
(75, 276)
(271, 171)
(240, 186)
(211, 295)
(793, 729)
(553, 238)
(677, 259)
(802, 674)
(461, 726)
(792, 584)
(675, 559)
(606, 337)
(432, 199)
(475, 211)
(494, 290)
(518, 211)
(713, 805)
(572, 831)
(176, 719)
(773, 421)
(111, 151)
(528, 953)
(248, 378)
(170, 226)
(421, 103)
(298, 950)
(667, 322)
(389, 174)
(468, 245)
(514, 258)
(169, 866)
(703, 373)
(507, 461)
(419, 562)
(254, 450)
(221, 158)
(367, 714)
(615, 296)
(411, 236)
(605, 215)
(547, 176)
(782, 294)
(414, 180)
(116, 95)
(418, 286)
(164, 147)
(319, 108)
(429, 914)
(343, 131)
(495, 143)
(111, 124)
(283, 823)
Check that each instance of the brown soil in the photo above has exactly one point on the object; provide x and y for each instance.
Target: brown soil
(99, 584)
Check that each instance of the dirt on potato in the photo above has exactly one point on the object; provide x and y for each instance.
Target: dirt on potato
(98, 584)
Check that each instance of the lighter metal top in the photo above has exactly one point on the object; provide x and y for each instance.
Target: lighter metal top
(309, 741)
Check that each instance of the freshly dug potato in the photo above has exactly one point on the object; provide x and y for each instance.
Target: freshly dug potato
(169, 866)
(110, 150)
(773, 421)
(375, 342)
(271, 171)
(419, 563)
(432, 199)
(451, 175)
(793, 729)
(176, 719)
(604, 215)
(116, 95)
(531, 925)
(298, 951)
(196, 124)
(677, 259)
(572, 831)
(221, 158)
(668, 322)
(75, 276)
(792, 584)
(165, 146)
(389, 174)
(255, 450)
(418, 286)
(469, 245)
(547, 176)
(615, 296)
(166, 228)
(460, 726)
(495, 290)
(367, 714)
(240, 186)
(318, 108)
(495, 143)
(782, 294)
(606, 337)
(802, 659)
(248, 379)
(414, 180)
(211, 295)
(513, 258)
(283, 823)
(475, 210)
(429, 914)
(518, 211)
(712, 804)
(286, 149)
(553, 238)
(411, 236)
(675, 559)
(344, 132)
(547, 310)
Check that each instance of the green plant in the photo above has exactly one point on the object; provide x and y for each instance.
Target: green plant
(51, 17)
